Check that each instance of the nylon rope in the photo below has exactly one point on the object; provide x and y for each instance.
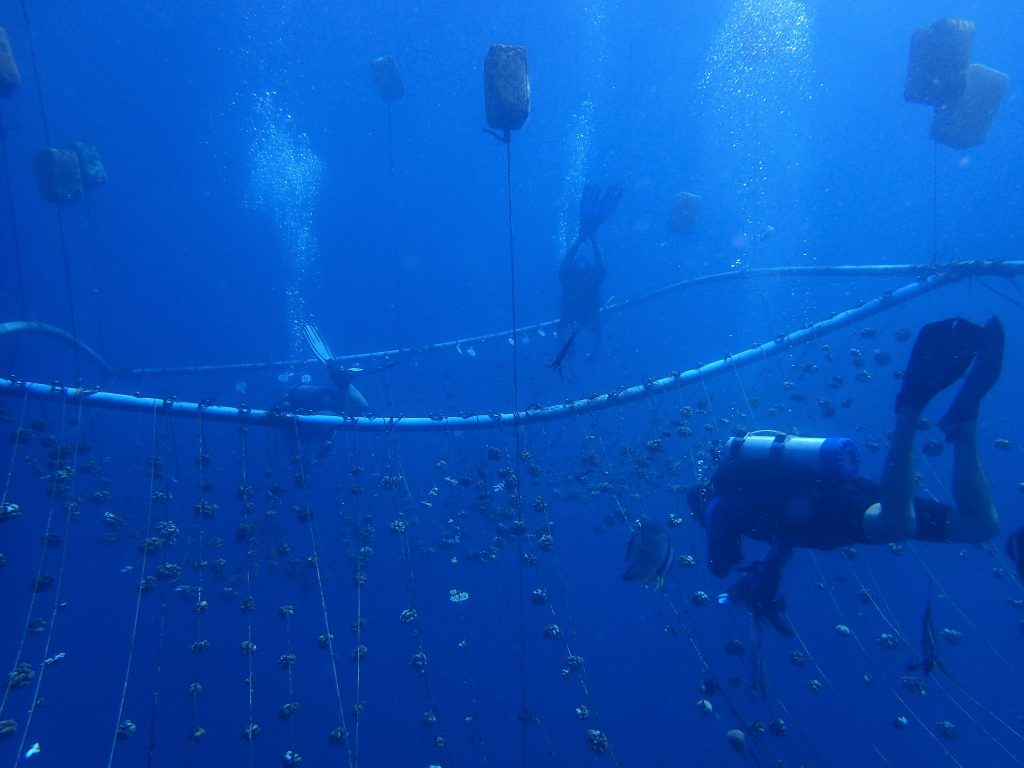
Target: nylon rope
(60, 206)
(137, 613)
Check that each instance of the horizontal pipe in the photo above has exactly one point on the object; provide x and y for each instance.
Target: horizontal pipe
(756, 353)
(961, 269)
(25, 326)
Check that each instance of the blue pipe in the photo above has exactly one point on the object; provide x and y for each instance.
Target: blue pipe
(650, 388)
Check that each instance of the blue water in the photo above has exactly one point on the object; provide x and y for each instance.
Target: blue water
(254, 185)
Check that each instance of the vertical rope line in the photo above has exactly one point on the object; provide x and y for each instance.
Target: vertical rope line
(199, 645)
(935, 201)
(60, 206)
(517, 499)
(4, 508)
(22, 303)
(342, 728)
(138, 599)
(244, 493)
(396, 304)
(151, 752)
(97, 297)
(400, 527)
(67, 495)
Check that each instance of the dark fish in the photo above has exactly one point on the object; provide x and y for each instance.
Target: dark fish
(650, 550)
(929, 644)
(1015, 549)
(556, 364)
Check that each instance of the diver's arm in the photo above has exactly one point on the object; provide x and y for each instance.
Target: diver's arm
(723, 526)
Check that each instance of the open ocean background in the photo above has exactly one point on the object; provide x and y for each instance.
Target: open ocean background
(257, 181)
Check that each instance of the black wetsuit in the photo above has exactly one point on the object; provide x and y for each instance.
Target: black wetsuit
(795, 507)
(581, 279)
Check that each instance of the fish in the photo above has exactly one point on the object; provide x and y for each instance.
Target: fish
(556, 364)
(1015, 549)
(929, 644)
(650, 550)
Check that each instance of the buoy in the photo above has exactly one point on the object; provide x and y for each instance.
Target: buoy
(10, 77)
(90, 166)
(506, 88)
(684, 213)
(965, 96)
(387, 78)
(939, 56)
(60, 178)
(965, 121)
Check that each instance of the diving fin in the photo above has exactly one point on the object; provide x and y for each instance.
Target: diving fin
(317, 344)
(595, 208)
(609, 202)
(941, 354)
(988, 364)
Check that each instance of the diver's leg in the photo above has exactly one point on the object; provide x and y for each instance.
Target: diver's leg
(942, 352)
(893, 518)
(974, 519)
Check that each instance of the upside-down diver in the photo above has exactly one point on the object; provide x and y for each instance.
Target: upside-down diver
(581, 276)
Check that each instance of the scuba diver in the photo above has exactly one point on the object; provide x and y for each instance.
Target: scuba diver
(793, 492)
(338, 398)
(582, 275)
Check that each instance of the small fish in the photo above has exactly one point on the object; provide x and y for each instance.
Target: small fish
(650, 550)
(929, 644)
(556, 364)
(1015, 549)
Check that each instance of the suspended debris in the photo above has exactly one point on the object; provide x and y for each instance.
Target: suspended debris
(58, 174)
(684, 213)
(387, 78)
(506, 88)
(10, 77)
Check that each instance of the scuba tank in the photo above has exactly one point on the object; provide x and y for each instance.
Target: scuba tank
(831, 456)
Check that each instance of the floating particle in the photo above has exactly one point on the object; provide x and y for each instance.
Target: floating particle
(952, 636)
(914, 685)
(597, 741)
(945, 729)
(888, 641)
